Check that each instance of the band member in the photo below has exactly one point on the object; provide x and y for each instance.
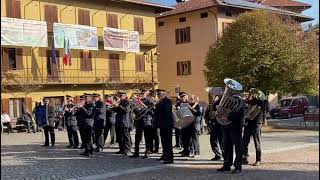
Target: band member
(110, 120)
(81, 120)
(143, 124)
(71, 122)
(99, 122)
(155, 129)
(163, 113)
(177, 131)
(123, 122)
(89, 110)
(195, 127)
(50, 115)
(185, 132)
(215, 129)
(253, 127)
(232, 134)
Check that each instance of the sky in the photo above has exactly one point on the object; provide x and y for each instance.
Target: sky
(312, 12)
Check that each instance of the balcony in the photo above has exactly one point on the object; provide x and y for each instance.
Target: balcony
(75, 77)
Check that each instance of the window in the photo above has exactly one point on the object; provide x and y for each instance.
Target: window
(294, 102)
(112, 21)
(85, 61)
(140, 63)
(12, 59)
(228, 13)
(13, 8)
(183, 19)
(161, 23)
(138, 25)
(225, 26)
(84, 17)
(51, 16)
(183, 68)
(114, 66)
(204, 15)
(183, 35)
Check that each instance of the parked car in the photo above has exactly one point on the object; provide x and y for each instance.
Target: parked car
(291, 106)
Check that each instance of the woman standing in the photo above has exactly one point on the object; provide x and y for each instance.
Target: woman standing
(50, 116)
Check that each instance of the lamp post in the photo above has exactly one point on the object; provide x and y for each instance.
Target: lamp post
(152, 58)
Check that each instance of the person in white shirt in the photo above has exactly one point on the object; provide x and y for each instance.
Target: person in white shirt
(5, 121)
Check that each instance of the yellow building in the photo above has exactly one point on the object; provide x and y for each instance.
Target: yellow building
(36, 76)
(185, 34)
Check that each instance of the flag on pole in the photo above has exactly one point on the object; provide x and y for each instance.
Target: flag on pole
(67, 54)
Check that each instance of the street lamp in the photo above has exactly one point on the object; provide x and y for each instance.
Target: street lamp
(152, 58)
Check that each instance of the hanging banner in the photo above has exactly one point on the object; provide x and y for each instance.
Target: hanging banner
(80, 37)
(22, 32)
(121, 40)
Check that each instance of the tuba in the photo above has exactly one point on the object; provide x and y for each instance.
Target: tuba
(229, 103)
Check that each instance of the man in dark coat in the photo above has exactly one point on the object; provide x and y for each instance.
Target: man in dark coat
(89, 114)
(99, 122)
(232, 135)
(253, 128)
(81, 120)
(110, 120)
(49, 110)
(155, 129)
(143, 124)
(123, 122)
(163, 113)
(71, 122)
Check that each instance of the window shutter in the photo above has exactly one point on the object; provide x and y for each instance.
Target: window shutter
(80, 17)
(141, 31)
(54, 14)
(19, 61)
(15, 107)
(5, 105)
(137, 63)
(178, 68)
(82, 62)
(188, 34)
(17, 9)
(142, 64)
(89, 61)
(86, 17)
(189, 67)
(112, 21)
(5, 59)
(114, 66)
(9, 8)
(29, 104)
(177, 36)
(136, 24)
(115, 21)
(47, 17)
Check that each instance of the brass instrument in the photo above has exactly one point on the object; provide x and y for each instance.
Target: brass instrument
(251, 111)
(146, 109)
(229, 103)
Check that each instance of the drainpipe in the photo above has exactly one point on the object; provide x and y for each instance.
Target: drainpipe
(217, 25)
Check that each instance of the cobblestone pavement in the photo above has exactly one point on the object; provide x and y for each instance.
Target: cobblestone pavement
(287, 154)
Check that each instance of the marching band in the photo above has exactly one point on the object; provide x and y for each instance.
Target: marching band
(230, 118)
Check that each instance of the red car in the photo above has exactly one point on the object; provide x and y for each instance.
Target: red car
(292, 106)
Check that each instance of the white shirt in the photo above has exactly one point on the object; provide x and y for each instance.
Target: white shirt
(5, 118)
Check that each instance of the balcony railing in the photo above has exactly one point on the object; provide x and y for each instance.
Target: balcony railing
(75, 76)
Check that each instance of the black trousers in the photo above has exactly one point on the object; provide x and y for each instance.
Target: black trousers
(254, 130)
(109, 128)
(73, 136)
(194, 141)
(88, 146)
(147, 131)
(47, 130)
(117, 128)
(99, 136)
(166, 141)
(124, 140)
(155, 139)
(216, 140)
(177, 133)
(186, 139)
(232, 135)
(82, 134)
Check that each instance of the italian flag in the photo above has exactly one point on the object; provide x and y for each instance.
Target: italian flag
(67, 53)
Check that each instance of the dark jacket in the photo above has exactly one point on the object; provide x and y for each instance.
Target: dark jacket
(163, 113)
(100, 114)
(69, 116)
(145, 120)
(197, 115)
(80, 115)
(123, 114)
(237, 116)
(89, 110)
(110, 116)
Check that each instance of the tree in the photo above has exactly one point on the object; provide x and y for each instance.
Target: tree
(266, 51)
